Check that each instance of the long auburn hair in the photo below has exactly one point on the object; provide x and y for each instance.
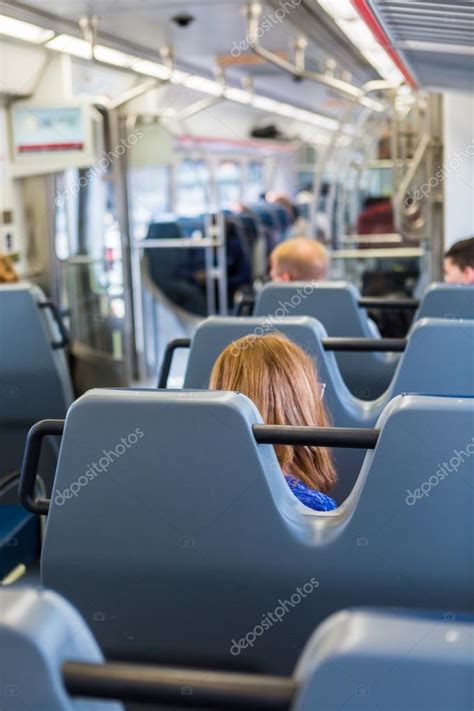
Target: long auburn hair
(281, 380)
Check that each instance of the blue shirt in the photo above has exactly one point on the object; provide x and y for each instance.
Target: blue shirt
(310, 497)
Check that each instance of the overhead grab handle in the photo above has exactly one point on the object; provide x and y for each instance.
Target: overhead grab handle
(29, 469)
(57, 316)
(345, 437)
(165, 685)
(298, 70)
(168, 359)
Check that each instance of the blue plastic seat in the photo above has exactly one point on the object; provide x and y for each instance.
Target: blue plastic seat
(335, 304)
(369, 660)
(34, 377)
(171, 517)
(34, 384)
(357, 659)
(38, 632)
(427, 366)
(447, 301)
(172, 269)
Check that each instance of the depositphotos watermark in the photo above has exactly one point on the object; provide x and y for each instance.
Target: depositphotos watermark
(269, 322)
(455, 162)
(267, 23)
(272, 618)
(443, 471)
(99, 168)
(93, 470)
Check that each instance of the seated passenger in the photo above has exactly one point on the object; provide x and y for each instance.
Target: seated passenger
(459, 262)
(299, 259)
(8, 273)
(282, 382)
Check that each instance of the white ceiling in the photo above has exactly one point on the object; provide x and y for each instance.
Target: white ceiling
(435, 38)
(219, 26)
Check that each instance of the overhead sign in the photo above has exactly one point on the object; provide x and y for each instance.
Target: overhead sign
(44, 130)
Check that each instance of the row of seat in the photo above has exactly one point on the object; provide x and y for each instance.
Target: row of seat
(171, 517)
(438, 359)
(357, 659)
(250, 236)
(339, 307)
(188, 470)
(34, 383)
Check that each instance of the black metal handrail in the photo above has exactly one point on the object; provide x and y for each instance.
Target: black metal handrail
(245, 306)
(177, 687)
(364, 345)
(58, 318)
(31, 458)
(360, 345)
(376, 302)
(168, 359)
(345, 437)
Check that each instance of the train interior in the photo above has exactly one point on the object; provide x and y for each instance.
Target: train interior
(236, 355)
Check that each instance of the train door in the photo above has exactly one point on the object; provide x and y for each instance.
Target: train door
(73, 251)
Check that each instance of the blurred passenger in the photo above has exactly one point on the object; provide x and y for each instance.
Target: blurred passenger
(376, 217)
(459, 262)
(299, 259)
(8, 273)
(282, 381)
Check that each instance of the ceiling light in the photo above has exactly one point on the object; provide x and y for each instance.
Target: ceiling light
(152, 69)
(177, 76)
(239, 95)
(24, 30)
(80, 48)
(348, 20)
(339, 10)
(288, 111)
(208, 86)
(113, 56)
(71, 45)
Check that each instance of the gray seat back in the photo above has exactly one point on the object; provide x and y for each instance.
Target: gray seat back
(170, 521)
(215, 333)
(426, 367)
(34, 378)
(451, 301)
(439, 358)
(383, 659)
(39, 631)
(367, 375)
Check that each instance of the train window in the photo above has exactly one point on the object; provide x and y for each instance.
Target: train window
(255, 182)
(149, 196)
(229, 183)
(193, 181)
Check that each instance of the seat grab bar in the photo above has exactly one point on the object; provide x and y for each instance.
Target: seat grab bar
(31, 458)
(58, 318)
(346, 437)
(168, 359)
(167, 686)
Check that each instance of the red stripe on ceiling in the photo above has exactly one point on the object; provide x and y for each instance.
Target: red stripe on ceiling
(382, 38)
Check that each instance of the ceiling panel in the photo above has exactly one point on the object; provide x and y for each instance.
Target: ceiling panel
(435, 38)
